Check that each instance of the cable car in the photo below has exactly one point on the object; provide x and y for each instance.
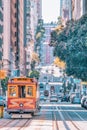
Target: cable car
(22, 97)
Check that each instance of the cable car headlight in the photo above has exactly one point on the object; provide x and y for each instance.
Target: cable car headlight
(21, 105)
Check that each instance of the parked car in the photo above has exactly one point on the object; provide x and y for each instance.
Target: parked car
(83, 100)
(53, 98)
(65, 98)
(42, 98)
(46, 93)
(75, 98)
(85, 103)
(2, 101)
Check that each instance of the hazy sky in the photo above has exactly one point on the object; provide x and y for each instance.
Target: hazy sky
(50, 10)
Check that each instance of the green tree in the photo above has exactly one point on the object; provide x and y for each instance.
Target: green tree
(34, 74)
(39, 33)
(35, 59)
(4, 84)
(71, 47)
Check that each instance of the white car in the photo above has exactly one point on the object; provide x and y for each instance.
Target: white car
(53, 98)
(85, 103)
(83, 100)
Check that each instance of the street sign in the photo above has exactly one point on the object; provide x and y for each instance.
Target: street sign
(2, 74)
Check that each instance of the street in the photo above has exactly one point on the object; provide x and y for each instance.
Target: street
(59, 116)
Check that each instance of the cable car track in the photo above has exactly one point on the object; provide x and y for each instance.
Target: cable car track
(69, 118)
(7, 123)
(55, 122)
(27, 123)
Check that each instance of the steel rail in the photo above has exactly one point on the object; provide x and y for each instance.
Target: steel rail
(54, 118)
(65, 113)
(27, 123)
(7, 123)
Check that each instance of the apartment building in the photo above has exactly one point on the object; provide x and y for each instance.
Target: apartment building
(39, 9)
(1, 32)
(14, 34)
(65, 10)
(20, 19)
(6, 36)
(79, 8)
(84, 6)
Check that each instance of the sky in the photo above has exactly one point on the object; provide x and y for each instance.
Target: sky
(50, 10)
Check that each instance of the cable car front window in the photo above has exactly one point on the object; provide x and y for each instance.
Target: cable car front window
(30, 91)
(12, 91)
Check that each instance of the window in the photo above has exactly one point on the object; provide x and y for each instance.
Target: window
(15, 5)
(12, 91)
(30, 91)
(15, 15)
(15, 33)
(15, 24)
(22, 91)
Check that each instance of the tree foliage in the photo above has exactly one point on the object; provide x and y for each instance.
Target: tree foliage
(34, 60)
(34, 74)
(71, 46)
(4, 84)
(39, 32)
(59, 63)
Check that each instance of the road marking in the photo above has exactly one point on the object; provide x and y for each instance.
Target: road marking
(62, 117)
(79, 116)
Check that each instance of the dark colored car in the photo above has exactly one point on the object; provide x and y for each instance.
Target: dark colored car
(65, 99)
(46, 93)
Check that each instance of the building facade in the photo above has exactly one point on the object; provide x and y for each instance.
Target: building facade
(47, 57)
(79, 8)
(18, 23)
(84, 6)
(65, 10)
(76, 9)
(72, 9)
(14, 34)
(6, 36)
(39, 9)
(1, 32)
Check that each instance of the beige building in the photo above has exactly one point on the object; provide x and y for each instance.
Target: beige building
(39, 8)
(6, 36)
(35, 13)
(21, 36)
(14, 34)
(1, 32)
(20, 19)
(76, 9)
(65, 10)
(79, 8)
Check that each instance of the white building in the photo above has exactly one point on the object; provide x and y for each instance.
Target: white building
(6, 36)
